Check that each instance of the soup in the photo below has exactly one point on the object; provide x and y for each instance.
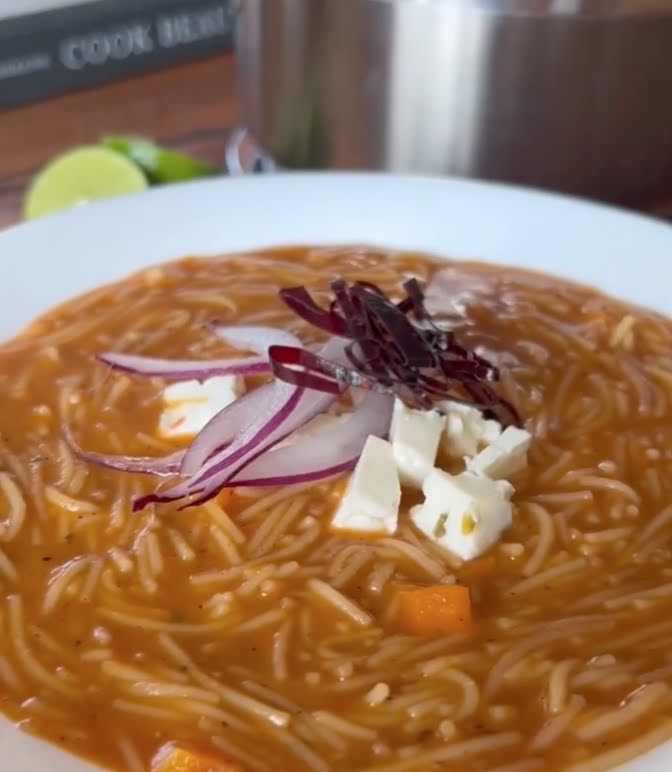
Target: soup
(245, 633)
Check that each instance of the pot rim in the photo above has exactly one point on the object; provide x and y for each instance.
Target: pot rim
(554, 8)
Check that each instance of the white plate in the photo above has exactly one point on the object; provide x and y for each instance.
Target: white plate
(51, 260)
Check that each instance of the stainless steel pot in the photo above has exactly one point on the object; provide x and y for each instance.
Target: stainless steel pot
(574, 95)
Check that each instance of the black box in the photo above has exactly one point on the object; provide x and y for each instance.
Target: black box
(77, 45)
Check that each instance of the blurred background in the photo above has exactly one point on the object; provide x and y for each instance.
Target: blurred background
(72, 71)
(570, 95)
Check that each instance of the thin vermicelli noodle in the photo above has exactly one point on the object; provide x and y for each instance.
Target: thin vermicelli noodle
(544, 541)
(247, 629)
(16, 514)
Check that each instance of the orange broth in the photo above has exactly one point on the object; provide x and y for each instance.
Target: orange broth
(120, 632)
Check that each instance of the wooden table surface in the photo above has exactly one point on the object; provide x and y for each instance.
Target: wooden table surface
(191, 107)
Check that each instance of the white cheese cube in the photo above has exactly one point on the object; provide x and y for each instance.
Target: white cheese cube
(504, 457)
(415, 436)
(467, 431)
(189, 405)
(465, 514)
(371, 499)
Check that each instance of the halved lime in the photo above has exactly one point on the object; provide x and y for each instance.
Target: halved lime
(79, 176)
(159, 164)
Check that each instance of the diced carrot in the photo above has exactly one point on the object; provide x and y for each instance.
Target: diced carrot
(173, 758)
(436, 610)
(477, 570)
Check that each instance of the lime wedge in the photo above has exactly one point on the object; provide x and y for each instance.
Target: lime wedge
(79, 176)
(160, 165)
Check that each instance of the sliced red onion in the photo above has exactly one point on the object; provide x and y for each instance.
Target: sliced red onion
(224, 459)
(290, 408)
(233, 420)
(294, 414)
(287, 409)
(332, 449)
(286, 402)
(222, 428)
(161, 466)
(184, 369)
(247, 337)
(267, 428)
(254, 338)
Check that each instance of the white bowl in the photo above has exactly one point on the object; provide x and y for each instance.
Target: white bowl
(51, 260)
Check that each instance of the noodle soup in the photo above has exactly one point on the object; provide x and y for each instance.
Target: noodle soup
(246, 633)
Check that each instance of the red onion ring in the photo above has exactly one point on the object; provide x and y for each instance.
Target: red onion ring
(161, 466)
(232, 421)
(184, 369)
(288, 409)
(334, 449)
(222, 428)
(246, 337)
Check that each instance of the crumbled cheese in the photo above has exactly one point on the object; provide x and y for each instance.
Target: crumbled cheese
(466, 430)
(189, 405)
(415, 436)
(504, 457)
(371, 499)
(466, 514)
